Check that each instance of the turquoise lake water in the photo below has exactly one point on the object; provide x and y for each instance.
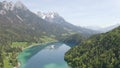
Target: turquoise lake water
(44, 56)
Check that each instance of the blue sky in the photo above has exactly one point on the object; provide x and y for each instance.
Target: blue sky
(80, 12)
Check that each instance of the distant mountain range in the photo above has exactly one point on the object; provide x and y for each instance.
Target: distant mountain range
(103, 30)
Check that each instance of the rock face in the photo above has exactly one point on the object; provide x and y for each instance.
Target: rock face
(52, 17)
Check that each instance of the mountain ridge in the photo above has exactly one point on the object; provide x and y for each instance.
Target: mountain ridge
(103, 29)
(54, 17)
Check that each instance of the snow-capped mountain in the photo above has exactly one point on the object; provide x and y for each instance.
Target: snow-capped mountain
(47, 15)
(52, 17)
(18, 21)
(20, 5)
(6, 6)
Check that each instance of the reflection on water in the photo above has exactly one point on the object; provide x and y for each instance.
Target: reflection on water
(51, 56)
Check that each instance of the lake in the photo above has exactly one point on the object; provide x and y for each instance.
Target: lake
(44, 56)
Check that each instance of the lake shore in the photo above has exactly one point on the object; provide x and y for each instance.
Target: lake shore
(35, 56)
(19, 63)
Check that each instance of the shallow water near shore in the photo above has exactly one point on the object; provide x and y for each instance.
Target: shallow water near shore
(44, 56)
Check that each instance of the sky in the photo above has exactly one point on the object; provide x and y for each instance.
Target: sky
(101, 13)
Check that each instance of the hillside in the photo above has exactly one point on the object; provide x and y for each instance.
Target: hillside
(73, 39)
(23, 25)
(54, 17)
(99, 51)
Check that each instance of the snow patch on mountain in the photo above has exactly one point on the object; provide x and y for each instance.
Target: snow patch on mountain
(10, 6)
(51, 17)
(2, 12)
(47, 15)
(19, 18)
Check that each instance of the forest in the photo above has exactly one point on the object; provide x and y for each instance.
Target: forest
(99, 51)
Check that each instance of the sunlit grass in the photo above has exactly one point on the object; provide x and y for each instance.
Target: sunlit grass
(7, 64)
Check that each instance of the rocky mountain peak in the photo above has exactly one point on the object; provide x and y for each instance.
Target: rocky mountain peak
(20, 5)
(7, 5)
(47, 15)
(53, 17)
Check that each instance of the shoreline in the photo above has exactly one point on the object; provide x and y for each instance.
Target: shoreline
(38, 44)
(19, 64)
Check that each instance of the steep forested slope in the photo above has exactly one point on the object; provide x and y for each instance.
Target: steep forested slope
(73, 39)
(99, 51)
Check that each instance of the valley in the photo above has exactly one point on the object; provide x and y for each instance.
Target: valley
(46, 40)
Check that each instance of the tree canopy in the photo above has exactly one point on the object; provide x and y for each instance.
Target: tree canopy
(99, 51)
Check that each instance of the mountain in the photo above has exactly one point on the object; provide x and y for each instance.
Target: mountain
(97, 28)
(99, 51)
(103, 30)
(110, 28)
(20, 24)
(54, 17)
(23, 25)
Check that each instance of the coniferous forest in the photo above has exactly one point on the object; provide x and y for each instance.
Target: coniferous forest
(99, 51)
